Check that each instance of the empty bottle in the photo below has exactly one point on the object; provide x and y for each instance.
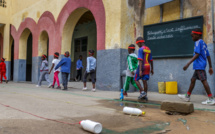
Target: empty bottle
(91, 126)
(133, 111)
(121, 95)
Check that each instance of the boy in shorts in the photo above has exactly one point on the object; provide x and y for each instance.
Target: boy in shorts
(200, 57)
(144, 68)
(90, 70)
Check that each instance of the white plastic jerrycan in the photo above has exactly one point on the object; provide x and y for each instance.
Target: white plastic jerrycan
(91, 126)
(133, 111)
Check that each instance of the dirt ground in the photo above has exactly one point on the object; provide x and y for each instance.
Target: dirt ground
(75, 105)
(158, 122)
(154, 121)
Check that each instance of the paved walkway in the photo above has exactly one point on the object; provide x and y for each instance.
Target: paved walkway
(25, 100)
(76, 87)
(153, 96)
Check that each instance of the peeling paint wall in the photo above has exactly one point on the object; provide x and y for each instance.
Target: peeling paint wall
(151, 16)
(139, 9)
(113, 23)
(131, 21)
(197, 8)
(128, 25)
(171, 11)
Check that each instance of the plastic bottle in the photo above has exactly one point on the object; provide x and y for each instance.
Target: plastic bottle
(91, 126)
(121, 95)
(133, 111)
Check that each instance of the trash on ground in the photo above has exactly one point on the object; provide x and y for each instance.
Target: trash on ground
(133, 111)
(91, 126)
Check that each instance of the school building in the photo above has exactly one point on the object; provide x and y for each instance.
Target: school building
(30, 28)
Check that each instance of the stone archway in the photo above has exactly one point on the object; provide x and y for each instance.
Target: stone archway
(20, 36)
(25, 54)
(69, 17)
(45, 23)
(84, 38)
(70, 9)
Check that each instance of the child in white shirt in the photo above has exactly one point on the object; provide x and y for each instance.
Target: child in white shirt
(56, 72)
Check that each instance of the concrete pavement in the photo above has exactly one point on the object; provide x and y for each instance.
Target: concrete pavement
(75, 105)
(153, 96)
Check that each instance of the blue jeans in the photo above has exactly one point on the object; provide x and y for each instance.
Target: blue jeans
(65, 79)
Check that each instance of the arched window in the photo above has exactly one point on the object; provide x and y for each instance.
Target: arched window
(3, 3)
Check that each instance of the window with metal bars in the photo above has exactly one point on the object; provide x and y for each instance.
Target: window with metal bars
(3, 3)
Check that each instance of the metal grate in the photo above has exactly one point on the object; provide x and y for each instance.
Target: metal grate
(3, 3)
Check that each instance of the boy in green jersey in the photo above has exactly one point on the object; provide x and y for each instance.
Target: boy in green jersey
(132, 66)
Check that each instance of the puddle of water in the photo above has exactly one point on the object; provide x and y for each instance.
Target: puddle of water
(134, 105)
(184, 121)
(123, 104)
(157, 126)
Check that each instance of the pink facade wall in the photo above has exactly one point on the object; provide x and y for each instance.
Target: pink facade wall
(55, 29)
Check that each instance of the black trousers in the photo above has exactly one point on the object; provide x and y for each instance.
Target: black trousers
(92, 74)
(79, 74)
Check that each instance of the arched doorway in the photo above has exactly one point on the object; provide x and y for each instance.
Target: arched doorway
(84, 39)
(66, 22)
(79, 36)
(12, 57)
(25, 54)
(1, 45)
(29, 58)
(43, 47)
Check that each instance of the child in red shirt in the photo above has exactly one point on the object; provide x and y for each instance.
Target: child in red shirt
(3, 70)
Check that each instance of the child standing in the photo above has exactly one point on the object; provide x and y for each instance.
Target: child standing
(56, 72)
(65, 65)
(131, 69)
(143, 70)
(90, 70)
(44, 71)
(200, 57)
(3, 70)
(79, 67)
